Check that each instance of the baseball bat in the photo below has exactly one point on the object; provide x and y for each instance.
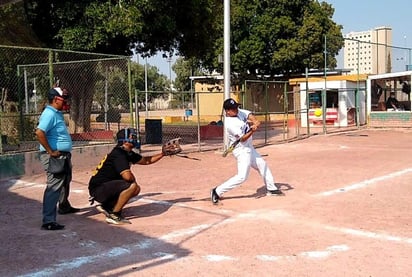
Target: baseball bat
(230, 148)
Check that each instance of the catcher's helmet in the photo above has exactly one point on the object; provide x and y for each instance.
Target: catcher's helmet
(128, 135)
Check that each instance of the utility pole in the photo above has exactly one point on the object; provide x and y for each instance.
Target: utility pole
(324, 91)
(226, 59)
(169, 60)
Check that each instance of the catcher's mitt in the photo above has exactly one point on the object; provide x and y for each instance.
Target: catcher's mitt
(172, 147)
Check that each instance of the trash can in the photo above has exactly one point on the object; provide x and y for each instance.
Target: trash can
(188, 112)
(153, 128)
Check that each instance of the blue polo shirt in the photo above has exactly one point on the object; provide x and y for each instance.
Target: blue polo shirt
(52, 123)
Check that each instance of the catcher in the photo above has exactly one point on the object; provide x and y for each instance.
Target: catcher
(113, 184)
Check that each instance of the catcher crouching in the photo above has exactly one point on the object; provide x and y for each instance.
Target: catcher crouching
(113, 184)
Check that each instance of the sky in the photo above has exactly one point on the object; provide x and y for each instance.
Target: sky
(354, 16)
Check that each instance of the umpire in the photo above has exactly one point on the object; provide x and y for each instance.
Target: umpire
(55, 142)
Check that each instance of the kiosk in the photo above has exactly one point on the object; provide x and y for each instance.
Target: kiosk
(333, 101)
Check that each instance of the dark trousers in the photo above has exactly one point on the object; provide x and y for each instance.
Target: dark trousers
(57, 189)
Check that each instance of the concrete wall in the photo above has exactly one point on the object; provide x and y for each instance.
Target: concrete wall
(28, 163)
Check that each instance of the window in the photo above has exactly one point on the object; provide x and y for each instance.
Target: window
(315, 99)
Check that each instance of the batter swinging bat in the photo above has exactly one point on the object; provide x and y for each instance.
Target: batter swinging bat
(234, 144)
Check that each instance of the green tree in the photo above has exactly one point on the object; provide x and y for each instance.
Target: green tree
(186, 27)
(14, 28)
(267, 37)
(116, 27)
(157, 84)
(278, 37)
(184, 69)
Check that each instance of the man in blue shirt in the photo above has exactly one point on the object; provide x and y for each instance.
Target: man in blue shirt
(55, 141)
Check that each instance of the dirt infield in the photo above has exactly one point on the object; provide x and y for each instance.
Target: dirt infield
(347, 212)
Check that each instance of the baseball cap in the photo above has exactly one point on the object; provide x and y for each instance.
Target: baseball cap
(230, 104)
(57, 91)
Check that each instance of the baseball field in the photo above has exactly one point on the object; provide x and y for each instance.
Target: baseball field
(346, 212)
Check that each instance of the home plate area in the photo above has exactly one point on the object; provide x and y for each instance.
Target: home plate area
(346, 212)
(230, 242)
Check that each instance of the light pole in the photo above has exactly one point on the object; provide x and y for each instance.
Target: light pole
(226, 58)
(169, 60)
(406, 55)
(226, 49)
(145, 88)
(35, 95)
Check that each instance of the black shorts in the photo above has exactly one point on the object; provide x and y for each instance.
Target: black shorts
(107, 193)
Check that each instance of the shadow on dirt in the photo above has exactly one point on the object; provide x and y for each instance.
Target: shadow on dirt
(87, 246)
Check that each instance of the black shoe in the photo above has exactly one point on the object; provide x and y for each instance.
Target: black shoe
(214, 196)
(71, 210)
(52, 226)
(276, 192)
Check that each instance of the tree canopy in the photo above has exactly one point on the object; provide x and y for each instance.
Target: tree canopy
(118, 27)
(279, 37)
(185, 68)
(268, 37)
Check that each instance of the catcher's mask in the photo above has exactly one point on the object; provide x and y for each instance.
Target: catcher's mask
(128, 135)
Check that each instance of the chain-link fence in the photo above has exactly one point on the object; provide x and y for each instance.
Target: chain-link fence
(98, 84)
(270, 102)
(288, 111)
(192, 116)
(104, 100)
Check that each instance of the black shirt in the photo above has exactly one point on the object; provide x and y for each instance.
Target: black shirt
(112, 165)
(392, 101)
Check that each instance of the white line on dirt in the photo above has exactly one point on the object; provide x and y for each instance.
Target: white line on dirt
(365, 183)
(322, 254)
(219, 258)
(171, 237)
(147, 244)
(174, 236)
(13, 184)
(369, 234)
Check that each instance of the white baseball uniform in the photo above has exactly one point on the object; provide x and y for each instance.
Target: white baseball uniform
(245, 153)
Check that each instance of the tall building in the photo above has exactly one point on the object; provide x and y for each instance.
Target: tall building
(368, 52)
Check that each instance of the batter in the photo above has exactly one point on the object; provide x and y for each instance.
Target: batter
(241, 124)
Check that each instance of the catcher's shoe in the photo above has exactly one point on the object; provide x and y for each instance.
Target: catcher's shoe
(276, 192)
(102, 210)
(117, 219)
(214, 196)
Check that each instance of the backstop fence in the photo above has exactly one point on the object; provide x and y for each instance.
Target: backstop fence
(27, 74)
(104, 99)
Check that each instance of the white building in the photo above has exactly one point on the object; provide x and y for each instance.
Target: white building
(344, 94)
(368, 52)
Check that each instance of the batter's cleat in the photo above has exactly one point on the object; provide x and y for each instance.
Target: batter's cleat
(276, 192)
(102, 210)
(214, 196)
(117, 219)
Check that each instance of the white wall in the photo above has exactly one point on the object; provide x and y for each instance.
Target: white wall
(346, 99)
